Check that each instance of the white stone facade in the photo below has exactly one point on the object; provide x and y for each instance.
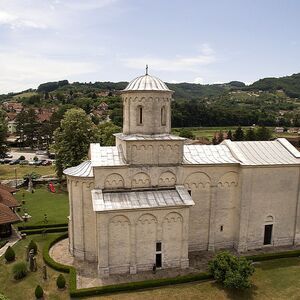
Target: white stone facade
(242, 195)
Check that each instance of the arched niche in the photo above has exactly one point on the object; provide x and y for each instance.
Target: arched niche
(167, 178)
(229, 179)
(141, 180)
(197, 180)
(113, 181)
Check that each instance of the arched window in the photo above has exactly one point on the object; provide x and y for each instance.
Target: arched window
(139, 115)
(163, 116)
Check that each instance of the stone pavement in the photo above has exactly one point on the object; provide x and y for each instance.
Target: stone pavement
(87, 275)
(11, 241)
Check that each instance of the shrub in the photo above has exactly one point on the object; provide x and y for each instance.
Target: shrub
(2, 297)
(231, 271)
(39, 293)
(61, 281)
(33, 245)
(19, 270)
(22, 157)
(10, 254)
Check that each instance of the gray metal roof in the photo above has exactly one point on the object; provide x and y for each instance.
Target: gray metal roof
(207, 154)
(277, 152)
(83, 170)
(146, 83)
(106, 156)
(103, 201)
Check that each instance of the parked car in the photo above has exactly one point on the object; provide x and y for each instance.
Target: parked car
(24, 162)
(15, 162)
(41, 152)
(38, 162)
(2, 161)
(6, 155)
(47, 163)
(7, 160)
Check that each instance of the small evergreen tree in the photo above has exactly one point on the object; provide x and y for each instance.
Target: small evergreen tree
(33, 245)
(229, 135)
(9, 254)
(214, 139)
(39, 293)
(61, 281)
(250, 135)
(220, 137)
(263, 134)
(239, 134)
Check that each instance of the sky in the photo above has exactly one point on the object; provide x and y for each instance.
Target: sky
(196, 41)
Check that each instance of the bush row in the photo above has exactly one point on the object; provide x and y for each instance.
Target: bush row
(45, 230)
(42, 226)
(133, 286)
(269, 256)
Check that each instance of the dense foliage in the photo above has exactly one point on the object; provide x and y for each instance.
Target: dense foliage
(32, 245)
(61, 281)
(231, 271)
(19, 270)
(9, 254)
(72, 139)
(3, 133)
(39, 293)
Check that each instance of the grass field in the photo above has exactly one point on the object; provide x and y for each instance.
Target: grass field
(41, 202)
(209, 132)
(24, 289)
(10, 171)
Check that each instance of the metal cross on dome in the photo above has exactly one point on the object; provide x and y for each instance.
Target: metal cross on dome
(146, 69)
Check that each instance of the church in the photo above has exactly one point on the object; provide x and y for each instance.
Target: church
(152, 199)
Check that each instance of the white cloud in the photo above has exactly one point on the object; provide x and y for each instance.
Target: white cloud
(21, 71)
(198, 80)
(178, 63)
(44, 14)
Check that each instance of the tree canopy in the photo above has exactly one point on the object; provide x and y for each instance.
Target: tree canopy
(72, 139)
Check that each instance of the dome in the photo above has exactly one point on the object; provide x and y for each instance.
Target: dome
(146, 83)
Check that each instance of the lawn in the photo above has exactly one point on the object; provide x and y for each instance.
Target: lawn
(24, 289)
(41, 202)
(17, 171)
(275, 279)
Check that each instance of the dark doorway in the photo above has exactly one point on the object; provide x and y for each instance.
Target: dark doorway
(158, 260)
(268, 234)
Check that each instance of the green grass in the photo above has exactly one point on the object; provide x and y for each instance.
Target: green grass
(209, 132)
(24, 289)
(41, 202)
(11, 171)
(24, 95)
(275, 279)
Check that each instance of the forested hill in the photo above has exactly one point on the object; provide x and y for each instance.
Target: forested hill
(268, 101)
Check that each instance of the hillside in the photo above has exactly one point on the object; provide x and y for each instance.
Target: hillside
(268, 101)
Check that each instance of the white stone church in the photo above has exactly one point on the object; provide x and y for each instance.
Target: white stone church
(151, 199)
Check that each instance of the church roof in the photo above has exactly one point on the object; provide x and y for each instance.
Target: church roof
(252, 153)
(7, 216)
(146, 83)
(207, 154)
(277, 152)
(109, 201)
(83, 170)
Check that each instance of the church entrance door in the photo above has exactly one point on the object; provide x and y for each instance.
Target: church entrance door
(268, 234)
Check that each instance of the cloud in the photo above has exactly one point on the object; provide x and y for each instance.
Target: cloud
(44, 14)
(20, 71)
(198, 80)
(178, 63)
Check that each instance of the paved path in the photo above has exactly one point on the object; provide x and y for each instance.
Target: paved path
(87, 275)
(11, 241)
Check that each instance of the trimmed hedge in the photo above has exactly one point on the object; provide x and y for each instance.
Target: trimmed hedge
(133, 286)
(42, 226)
(269, 256)
(45, 230)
